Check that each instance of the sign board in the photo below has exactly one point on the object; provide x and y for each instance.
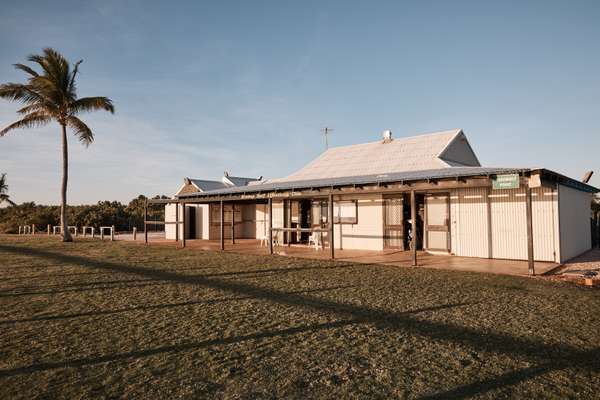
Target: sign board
(509, 181)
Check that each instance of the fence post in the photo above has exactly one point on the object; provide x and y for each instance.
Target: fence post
(598, 229)
(48, 228)
(270, 207)
(134, 233)
(112, 233)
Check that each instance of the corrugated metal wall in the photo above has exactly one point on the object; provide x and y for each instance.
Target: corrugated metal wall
(545, 224)
(575, 233)
(492, 223)
(469, 222)
(508, 224)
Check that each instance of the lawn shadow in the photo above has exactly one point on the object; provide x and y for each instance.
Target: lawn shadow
(96, 313)
(199, 345)
(550, 357)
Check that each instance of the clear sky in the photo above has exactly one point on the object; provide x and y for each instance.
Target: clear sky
(246, 86)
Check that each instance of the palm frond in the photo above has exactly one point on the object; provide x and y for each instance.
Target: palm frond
(6, 198)
(50, 94)
(3, 185)
(47, 87)
(26, 68)
(49, 108)
(92, 104)
(82, 131)
(32, 120)
(42, 62)
(60, 67)
(19, 92)
(72, 86)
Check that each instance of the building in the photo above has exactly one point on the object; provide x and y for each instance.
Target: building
(377, 194)
(198, 215)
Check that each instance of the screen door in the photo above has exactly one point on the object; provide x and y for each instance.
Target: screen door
(437, 222)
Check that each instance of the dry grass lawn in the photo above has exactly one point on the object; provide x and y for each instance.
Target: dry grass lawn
(91, 319)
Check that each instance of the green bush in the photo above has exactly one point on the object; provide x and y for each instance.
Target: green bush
(104, 213)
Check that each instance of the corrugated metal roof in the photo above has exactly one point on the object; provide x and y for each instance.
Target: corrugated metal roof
(439, 173)
(206, 185)
(240, 180)
(415, 153)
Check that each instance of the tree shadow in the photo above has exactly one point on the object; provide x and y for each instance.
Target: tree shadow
(88, 289)
(199, 345)
(96, 313)
(554, 356)
(46, 276)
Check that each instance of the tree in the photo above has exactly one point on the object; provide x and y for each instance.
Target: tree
(4, 191)
(52, 96)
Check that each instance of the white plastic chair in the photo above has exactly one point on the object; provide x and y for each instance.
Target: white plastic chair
(315, 239)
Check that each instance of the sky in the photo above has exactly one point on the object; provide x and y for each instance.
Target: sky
(204, 87)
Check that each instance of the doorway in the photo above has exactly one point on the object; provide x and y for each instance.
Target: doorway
(191, 217)
(437, 222)
(397, 223)
(393, 223)
(298, 214)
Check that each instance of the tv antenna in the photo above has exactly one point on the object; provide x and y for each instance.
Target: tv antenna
(326, 132)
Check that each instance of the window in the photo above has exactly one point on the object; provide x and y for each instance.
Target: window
(345, 212)
(215, 210)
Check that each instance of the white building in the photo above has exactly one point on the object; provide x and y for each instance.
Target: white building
(462, 208)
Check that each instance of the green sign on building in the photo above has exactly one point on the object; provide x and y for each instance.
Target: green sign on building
(509, 181)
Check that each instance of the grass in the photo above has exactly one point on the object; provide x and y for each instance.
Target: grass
(91, 319)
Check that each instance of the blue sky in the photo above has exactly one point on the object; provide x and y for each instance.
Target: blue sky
(202, 87)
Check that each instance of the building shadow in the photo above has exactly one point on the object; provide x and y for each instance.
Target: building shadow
(546, 357)
(39, 367)
(97, 313)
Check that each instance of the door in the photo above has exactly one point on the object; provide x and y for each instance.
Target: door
(437, 222)
(393, 223)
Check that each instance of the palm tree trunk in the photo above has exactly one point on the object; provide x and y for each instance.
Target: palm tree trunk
(63, 198)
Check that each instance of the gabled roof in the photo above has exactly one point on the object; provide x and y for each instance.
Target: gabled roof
(239, 180)
(405, 177)
(416, 153)
(206, 185)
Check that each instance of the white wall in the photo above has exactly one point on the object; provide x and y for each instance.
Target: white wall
(262, 221)
(367, 233)
(170, 217)
(277, 218)
(575, 233)
(201, 221)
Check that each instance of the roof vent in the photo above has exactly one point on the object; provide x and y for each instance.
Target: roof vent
(387, 136)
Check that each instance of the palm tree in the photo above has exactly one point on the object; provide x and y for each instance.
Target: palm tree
(4, 191)
(51, 96)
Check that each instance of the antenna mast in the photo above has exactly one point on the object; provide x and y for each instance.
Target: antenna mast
(326, 132)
